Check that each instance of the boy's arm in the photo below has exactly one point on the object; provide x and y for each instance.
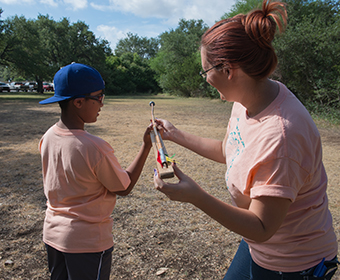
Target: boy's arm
(136, 167)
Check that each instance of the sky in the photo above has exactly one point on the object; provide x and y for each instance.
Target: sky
(113, 19)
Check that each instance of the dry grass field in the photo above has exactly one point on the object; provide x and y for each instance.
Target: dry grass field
(154, 237)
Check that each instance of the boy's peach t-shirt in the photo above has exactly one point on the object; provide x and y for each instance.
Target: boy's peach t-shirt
(80, 174)
(278, 153)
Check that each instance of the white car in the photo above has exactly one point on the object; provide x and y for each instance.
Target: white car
(17, 86)
(31, 86)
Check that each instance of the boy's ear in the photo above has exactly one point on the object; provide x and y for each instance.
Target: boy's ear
(78, 102)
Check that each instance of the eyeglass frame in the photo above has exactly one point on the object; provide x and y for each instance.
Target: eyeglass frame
(203, 74)
(99, 98)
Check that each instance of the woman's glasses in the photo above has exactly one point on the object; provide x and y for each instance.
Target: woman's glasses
(203, 74)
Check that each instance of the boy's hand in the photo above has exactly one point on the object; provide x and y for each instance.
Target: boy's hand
(146, 137)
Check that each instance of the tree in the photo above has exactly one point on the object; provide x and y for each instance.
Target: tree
(144, 47)
(2, 39)
(130, 70)
(21, 48)
(177, 63)
(309, 52)
(242, 7)
(36, 49)
(66, 43)
(129, 73)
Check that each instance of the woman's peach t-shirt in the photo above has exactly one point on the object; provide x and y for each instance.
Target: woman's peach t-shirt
(278, 153)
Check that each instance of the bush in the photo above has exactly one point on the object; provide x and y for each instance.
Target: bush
(309, 53)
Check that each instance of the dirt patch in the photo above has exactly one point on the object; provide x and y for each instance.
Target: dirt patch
(150, 232)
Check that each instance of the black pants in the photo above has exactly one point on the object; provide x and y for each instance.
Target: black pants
(79, 266)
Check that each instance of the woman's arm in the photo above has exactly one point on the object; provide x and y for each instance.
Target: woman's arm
(259, 222)
(209, 148)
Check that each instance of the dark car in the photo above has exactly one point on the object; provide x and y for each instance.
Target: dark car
(4, 87)
(48, 86)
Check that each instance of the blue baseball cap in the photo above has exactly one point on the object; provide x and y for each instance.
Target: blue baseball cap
(74, 80)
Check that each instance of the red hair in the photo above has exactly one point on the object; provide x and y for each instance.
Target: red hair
(245, 41)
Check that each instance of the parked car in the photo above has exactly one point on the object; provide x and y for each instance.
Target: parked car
(31, 86)
(17, 86)
(48, 86)
(4, 87)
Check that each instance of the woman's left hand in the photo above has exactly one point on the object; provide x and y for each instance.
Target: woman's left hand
(186, 190)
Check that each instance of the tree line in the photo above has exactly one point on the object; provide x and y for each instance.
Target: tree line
(308, 53)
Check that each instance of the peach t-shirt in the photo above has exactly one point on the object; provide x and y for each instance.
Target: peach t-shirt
(278, 153)
(80, 174)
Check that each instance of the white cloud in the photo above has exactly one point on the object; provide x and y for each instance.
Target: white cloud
(111, 34)
(14, 2)
(171, 10)
(76, 4)
(147, 8)
(141, 8)
(102, 8)
(168, 11)
(49, 2)
(211, 13)
(70, 4)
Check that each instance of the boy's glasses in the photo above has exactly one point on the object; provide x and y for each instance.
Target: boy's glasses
(99, 98)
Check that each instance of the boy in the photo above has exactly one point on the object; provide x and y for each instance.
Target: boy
(81, 179)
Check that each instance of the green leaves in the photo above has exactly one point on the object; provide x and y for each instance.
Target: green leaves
(144, 47)
(129, 73)
(36, 49)
(177, 64)
(309, 52)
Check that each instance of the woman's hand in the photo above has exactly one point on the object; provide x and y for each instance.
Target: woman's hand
(186, 190)
(166, 129)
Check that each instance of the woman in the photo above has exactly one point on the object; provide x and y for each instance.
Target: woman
(272, 149)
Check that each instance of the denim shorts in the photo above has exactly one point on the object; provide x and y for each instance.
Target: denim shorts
(244, 268)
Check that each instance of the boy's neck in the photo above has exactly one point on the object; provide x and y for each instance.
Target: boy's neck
(67, 124)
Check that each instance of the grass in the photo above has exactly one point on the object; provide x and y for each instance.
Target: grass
(24, 96)
(150, 232)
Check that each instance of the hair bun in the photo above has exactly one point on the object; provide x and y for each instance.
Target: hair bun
(245, 41)
(260, 24)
